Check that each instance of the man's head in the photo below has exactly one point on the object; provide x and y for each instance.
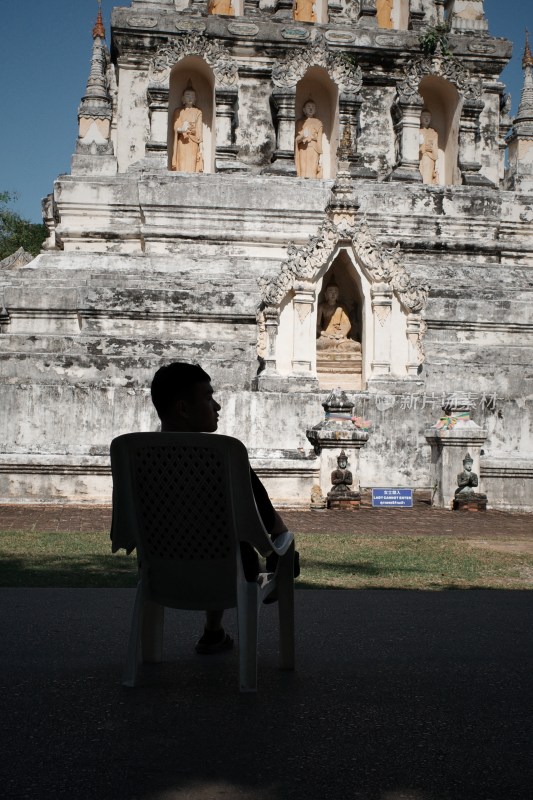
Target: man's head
(183, 398)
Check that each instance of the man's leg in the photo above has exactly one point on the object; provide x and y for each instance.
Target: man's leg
(213, 620)
(214, 638)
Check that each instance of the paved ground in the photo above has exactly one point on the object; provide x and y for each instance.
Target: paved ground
(493, 529)
(421, 520)
(398, 695)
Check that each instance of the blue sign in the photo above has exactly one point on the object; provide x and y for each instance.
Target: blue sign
(392, 498)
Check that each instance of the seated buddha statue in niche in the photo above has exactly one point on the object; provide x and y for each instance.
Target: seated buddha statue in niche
(187, 127)
(338, 353)
(221, 7)
(304, 11)
(334, 324)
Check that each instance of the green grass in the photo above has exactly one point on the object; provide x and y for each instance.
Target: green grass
(63, 559)
(328, 561)
(410, 562)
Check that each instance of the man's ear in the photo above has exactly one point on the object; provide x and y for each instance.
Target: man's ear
(181, 408)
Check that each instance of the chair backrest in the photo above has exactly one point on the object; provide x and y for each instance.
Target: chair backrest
(185, 500)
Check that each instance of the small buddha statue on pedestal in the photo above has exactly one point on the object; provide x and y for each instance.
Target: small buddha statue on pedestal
(466, 497)
(341, 494)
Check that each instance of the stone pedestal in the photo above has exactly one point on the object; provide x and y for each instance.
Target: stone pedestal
(351, 501)
(336, 368)
(451, 438)
(335, 433)
(470, 502)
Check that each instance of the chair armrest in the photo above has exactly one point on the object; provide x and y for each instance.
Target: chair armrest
(281, 543)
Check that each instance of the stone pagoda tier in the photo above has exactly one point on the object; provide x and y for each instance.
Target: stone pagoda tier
(302, 200)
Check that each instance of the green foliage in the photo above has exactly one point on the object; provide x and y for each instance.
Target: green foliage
(433, 37)
(16, 232)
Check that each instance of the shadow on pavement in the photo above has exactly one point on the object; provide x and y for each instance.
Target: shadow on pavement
(398, 695)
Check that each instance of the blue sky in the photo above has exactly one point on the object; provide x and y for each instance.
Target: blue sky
(44, 64)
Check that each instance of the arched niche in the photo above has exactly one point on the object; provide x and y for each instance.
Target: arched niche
(195, 70)
(231, 8)
(301, 11)
(317, 85)
(444, 103)
(343, 369)
(383, 300)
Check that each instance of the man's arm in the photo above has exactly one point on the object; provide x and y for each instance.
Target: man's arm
(271, 518)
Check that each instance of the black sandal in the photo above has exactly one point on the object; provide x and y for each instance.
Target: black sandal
(213, 642)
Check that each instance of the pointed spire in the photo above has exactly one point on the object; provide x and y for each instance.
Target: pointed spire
(525, 110)
(527, 60)
(97, 83)
(519, 174)
(96, 103)
(99, 30)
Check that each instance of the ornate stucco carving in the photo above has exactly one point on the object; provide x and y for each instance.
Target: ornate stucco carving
(382, 265)
(193, 44)
(451, 69)
(288, 71)
(302, 264)
(261, 334)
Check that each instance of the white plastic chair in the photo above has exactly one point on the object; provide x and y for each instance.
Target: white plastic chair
(185, 501)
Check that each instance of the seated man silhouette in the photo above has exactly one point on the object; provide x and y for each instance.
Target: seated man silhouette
(183, 398)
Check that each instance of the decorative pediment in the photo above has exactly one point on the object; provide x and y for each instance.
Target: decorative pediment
(191, 44)
(446, 67)
(288, 71)
(16, 260)
(381, 265)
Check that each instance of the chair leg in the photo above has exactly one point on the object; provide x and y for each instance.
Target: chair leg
(134, 643)
(247, 614)
(285, 584)
(152, 631)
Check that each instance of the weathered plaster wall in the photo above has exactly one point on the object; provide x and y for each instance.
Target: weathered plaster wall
(87, 330)
(153, 266)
